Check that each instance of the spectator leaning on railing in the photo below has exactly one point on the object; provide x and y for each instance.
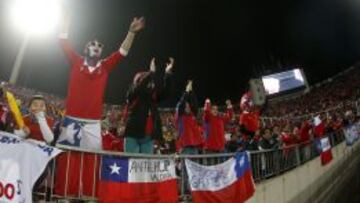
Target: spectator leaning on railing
(268, 141)
(38, 125)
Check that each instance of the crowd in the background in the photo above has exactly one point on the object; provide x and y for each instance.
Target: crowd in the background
(24, 95)
(284, 123)
(288, 122)
(329, 94)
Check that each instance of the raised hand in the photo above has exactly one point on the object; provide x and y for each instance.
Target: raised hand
(137, 24)
(228, 103)
(170, 65)
(152, 65)
(65, 20)
(189, 86)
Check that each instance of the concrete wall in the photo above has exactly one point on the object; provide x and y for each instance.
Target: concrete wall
(310, 182)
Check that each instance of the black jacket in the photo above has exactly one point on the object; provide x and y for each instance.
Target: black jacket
(141, 100)
(269, 144)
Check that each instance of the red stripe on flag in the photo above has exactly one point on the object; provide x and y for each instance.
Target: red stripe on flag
(238, 192)
(69, 176)
(162, 192)
(326, 157)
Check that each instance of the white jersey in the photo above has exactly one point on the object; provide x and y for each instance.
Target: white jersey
(21, 164)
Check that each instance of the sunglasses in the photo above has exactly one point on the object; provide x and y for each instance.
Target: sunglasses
(94, 43)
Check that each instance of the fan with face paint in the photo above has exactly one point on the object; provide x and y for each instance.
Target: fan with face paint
(93, 51)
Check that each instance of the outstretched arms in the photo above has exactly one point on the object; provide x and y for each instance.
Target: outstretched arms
(110, 62)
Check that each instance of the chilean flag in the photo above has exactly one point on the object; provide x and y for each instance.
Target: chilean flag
(76, 172)
(325, 150)
(137, 180)
(227, 182)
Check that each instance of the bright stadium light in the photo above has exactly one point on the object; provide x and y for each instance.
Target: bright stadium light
(35, 16)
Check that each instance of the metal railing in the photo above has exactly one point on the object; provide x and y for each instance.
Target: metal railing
(80, 167)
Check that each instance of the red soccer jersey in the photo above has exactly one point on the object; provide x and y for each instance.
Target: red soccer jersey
(35, 132)
(112, 143)
(250, 120)
(287, 139)
(304, 132)
(86, 89)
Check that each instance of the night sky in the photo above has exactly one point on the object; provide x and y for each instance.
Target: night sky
(218, 44)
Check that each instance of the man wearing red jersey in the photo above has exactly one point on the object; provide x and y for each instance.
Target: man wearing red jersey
(84, 105)
(88, 78)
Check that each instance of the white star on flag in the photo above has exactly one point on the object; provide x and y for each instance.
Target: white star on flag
(115, 169)
(242, 161)
(71, 134)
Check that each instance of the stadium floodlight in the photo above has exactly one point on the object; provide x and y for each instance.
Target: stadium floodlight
(35, 16)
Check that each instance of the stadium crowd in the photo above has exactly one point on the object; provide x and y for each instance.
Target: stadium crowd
(283, 123)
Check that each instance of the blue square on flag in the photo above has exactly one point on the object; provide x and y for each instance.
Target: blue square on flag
(114, 169)
(242, 164)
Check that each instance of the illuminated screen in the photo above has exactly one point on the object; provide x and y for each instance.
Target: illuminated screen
(284, 81)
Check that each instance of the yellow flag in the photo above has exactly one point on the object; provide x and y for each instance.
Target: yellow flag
(14, 108)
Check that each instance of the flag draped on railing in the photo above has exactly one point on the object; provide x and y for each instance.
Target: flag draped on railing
(227, 182)
(134, 180)
(324, 147)
(21, 164)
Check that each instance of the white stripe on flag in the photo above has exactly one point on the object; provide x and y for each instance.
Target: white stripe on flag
(325, 144)
(151, 170)
(211, 178)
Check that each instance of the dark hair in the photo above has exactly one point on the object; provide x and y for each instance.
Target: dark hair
(36, 97)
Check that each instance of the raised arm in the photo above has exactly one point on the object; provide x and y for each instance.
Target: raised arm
(229, 111)
(165, 88)
(69, 51)
(180, 107)
(207, 110)
(192, 99)
(136, 89)
(136, 25)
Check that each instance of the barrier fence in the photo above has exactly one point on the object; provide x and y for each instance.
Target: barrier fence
(264, 164)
